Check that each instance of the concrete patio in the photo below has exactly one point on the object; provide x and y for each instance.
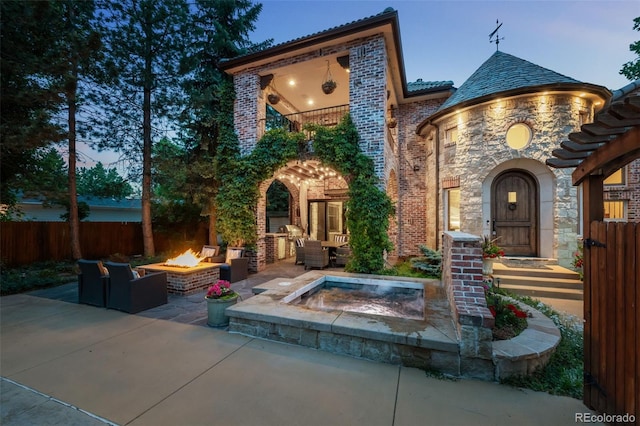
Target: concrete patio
(64, 363)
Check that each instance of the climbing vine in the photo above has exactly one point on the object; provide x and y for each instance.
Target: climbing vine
(368, 207)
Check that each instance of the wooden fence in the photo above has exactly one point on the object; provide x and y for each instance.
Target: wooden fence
(27, 242)
(612, 318)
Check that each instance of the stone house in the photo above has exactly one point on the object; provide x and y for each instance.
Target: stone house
(471, 159)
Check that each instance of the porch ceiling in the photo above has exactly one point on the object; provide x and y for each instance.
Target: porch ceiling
(308, 170)
(300, 85)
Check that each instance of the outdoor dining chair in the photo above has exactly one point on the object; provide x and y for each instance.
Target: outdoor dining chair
(315, 256)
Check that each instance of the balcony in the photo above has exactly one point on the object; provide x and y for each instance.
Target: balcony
(296, 122)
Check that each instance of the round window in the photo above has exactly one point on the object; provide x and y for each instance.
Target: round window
(518, 136)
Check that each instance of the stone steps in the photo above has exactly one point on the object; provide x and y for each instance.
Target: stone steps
(548, 280)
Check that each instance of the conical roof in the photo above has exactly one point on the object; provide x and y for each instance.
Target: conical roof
(503, 72)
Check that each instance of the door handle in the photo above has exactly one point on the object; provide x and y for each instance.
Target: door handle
(493, 228)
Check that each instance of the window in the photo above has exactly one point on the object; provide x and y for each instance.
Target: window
(615, 210)
(451, 136)
(616, 178)
(519, 136)
(452, 209)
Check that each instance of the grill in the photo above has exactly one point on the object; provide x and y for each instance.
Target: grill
(292, 231)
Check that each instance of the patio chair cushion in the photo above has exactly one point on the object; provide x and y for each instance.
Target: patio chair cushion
(233, 253)
(300, 242)
(210, 251)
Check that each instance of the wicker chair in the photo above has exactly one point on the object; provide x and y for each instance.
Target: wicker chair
(127, 293)
(92, 283)
(342, 255)
(315, 256)
(299, 251)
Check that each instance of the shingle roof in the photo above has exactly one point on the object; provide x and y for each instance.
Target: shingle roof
(503, 72)
(416, 86)
(310, 38)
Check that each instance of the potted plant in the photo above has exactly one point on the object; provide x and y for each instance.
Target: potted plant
(490, 252)
(329, 86)
(219, 297)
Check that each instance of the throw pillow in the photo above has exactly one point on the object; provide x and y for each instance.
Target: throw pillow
(233, 254)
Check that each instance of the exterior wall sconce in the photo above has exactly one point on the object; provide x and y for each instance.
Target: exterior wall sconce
(512, 200)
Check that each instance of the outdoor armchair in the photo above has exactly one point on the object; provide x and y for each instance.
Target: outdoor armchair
(127, 293)
(92, 282)
(235, 266)
(211, 254)
(315, 256)
(299, 250)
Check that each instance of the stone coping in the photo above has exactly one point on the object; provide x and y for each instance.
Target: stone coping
(269, 306)
(530, 349)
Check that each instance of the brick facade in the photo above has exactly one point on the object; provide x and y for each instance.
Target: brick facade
(416, 169)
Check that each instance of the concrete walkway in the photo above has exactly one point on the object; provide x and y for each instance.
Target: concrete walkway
(69, 364)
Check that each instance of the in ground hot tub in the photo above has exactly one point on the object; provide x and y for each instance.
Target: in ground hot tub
(381, 333)
(398, 299)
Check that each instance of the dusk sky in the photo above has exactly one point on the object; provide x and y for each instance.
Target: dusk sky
(448, 40)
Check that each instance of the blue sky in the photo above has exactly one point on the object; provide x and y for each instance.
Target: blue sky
(448, 40)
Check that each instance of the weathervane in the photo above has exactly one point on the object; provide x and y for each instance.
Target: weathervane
(495, 33)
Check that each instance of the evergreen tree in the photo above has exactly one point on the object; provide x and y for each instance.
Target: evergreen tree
(146, 43)
(73, 57)
(28, 104)
(220, 30)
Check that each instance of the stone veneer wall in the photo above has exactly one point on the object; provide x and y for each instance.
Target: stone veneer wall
(462, 279)
(481, 150)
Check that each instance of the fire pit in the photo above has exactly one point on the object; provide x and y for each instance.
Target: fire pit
(185, 273)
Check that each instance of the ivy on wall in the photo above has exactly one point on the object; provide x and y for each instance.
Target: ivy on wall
(368, 208)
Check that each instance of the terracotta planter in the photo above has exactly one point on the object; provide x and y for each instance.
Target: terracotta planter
(215, 311)
(487, 266)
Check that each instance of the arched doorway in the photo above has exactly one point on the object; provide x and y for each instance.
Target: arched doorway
(514, 212)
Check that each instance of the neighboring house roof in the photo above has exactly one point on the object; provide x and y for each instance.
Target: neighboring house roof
(505, 75)
(93, 202)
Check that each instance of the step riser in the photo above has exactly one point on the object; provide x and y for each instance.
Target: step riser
(509, 280)
(537, 274)
(538, 292)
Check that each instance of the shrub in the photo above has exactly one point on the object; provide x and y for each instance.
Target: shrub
(430, 263)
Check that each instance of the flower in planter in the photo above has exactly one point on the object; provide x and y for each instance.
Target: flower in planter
(578, 262)
(490, 250)
(220, 290)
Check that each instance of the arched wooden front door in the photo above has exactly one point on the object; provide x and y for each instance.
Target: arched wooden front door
(514, 211)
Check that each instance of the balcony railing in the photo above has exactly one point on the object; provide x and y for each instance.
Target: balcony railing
(296, 122)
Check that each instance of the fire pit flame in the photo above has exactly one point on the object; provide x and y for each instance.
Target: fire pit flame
(187, 259)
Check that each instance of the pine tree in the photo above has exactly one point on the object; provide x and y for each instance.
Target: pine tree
(146, 42)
